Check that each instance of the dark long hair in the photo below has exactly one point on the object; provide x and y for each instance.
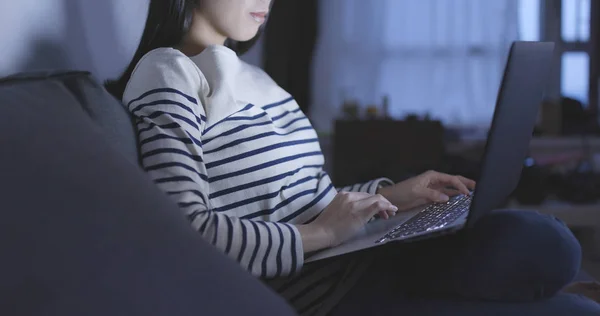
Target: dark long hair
(167, 24)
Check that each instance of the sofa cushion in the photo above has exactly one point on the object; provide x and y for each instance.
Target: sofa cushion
(77, 90)
(83, 231)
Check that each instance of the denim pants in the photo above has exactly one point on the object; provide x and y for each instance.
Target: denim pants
(510, 262)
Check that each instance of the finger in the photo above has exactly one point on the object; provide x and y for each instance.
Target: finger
(448, 191)
(434, 195)
(384, 214)
(369, 198)
(468, 182)
(374, 204)
(353, 196)
(387, 214)
(454, 181)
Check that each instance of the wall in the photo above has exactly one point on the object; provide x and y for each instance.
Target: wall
(96, 35)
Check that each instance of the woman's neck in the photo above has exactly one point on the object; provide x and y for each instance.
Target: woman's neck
(201, 35)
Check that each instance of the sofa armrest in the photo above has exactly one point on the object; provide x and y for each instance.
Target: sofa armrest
(83, 231)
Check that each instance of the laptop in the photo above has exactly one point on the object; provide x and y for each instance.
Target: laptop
(519, 98)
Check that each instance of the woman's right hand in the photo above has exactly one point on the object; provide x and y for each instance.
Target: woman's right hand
(342, 219)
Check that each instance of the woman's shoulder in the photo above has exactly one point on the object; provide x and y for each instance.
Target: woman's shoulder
(261, 86)
(164, 66)
(163, 57)
(232, 79)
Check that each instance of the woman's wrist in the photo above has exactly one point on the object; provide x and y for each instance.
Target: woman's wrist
(385, 192)
(390, 193)
(314, 237)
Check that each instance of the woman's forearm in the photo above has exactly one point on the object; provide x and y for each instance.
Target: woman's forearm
(314, 237)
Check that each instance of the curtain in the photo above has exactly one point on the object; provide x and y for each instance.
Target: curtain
(290, 36)
(439, 58)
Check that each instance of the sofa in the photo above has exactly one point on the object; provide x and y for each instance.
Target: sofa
(84, 231)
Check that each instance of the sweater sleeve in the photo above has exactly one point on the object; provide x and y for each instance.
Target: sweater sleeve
(163, 96)
(368, 187)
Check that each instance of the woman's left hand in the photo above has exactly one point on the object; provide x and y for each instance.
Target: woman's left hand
(428, 187)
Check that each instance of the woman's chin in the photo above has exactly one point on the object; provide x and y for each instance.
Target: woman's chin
(246, 36)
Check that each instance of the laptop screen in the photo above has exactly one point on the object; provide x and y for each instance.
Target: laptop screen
(519, 98)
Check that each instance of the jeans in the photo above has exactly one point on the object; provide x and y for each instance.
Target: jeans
(510, 262)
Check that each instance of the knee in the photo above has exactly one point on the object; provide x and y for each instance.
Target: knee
(544, 247)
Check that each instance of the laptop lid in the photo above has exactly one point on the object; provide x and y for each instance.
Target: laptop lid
(519, 98)
(520, 95)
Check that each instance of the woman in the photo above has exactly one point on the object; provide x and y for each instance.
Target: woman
(244, 164)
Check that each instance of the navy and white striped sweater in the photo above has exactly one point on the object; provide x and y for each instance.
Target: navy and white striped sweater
(243, 163)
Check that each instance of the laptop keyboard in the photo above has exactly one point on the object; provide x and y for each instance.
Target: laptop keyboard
(433, 217)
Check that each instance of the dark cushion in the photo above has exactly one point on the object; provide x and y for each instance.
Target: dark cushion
(79, 90)
(83, 231)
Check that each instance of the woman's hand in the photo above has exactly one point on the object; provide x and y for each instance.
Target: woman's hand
(427, 187)
(342, 219)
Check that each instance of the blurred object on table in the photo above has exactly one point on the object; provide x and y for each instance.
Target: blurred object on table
(551, 118)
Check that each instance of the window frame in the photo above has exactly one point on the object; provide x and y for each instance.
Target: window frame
(551, 29)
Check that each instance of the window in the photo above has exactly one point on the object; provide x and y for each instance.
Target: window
(438, 58)
(529, 20)
(575, 47)
(575, 75)
(575, 20)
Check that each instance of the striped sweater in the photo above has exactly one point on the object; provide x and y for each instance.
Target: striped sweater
(243, 163)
